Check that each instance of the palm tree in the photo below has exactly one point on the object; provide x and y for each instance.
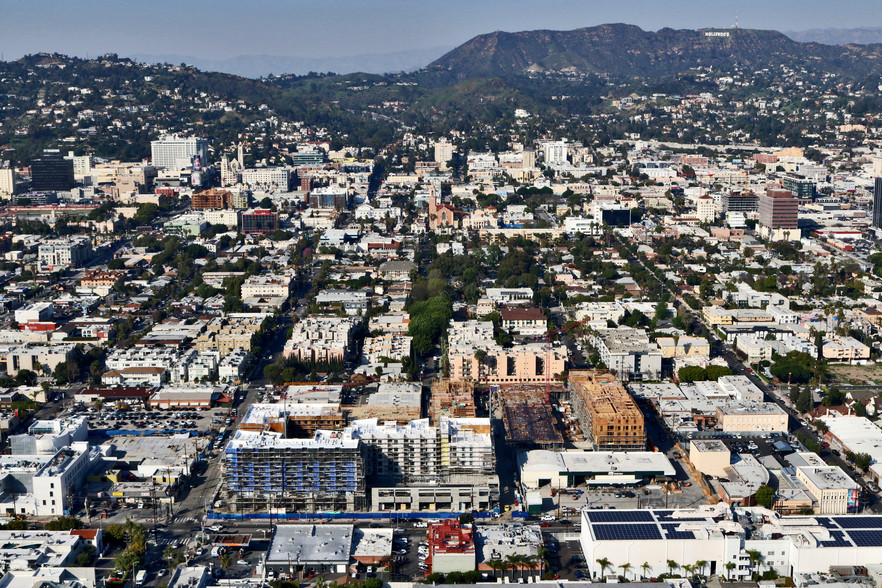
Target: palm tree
(646, 567)
(756, 559)
(98, 404)
(496, 565)
(701, 564)
(226, 562)
(688, 569)
(729, 567)
(625, 567)
(672, 565)
(604, 564)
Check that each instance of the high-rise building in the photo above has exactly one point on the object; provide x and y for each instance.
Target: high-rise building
(7, 182)
(52, 172)
(443, 151)
(778, 215)
(174, 152)
(528, 160)
(877, 204)
(555, 153)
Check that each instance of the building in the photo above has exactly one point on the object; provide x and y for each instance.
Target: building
(720, 535)
(614, 420)
(752, 417)
(628, 353)
(50, 436)
(877, 203)
(7, 182)
(320, 339)
(834, 492)
(568, 469)
(710, 456)
(419, 453)
(706, 209)
(259, 220)
(64, 252)
(52, 172)
(802, 188)
(443, 150)
(321, 548)
(324, 473)
(175, 153)
(474, 355)
(329, 197)
(778, 215)
(267, 178)
(451, 547)
(527, 321)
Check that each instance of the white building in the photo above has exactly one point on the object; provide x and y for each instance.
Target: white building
(174, 153)
(64, 252)
(277, 178)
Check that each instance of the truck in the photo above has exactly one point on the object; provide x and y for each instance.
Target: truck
(141, 578)
(534, 503)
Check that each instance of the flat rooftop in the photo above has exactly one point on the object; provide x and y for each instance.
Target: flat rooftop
(310, 544)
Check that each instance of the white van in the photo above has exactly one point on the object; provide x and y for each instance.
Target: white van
(141, 578)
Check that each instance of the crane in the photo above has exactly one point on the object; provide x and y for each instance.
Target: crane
(548, 335)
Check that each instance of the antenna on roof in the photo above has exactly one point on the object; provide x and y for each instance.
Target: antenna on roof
(735, 26)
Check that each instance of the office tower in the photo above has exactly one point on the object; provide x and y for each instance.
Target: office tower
(877, 204)
(177, 152)
(778, 215)
(52, 172)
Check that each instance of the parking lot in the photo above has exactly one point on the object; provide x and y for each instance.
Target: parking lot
(195, 421)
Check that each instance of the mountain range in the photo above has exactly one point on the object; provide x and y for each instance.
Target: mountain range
(622, 50)
(256, 66)
(595, 49)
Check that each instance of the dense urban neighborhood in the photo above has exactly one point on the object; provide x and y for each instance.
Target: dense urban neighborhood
(569, 328)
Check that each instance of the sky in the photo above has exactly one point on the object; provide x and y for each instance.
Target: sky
(332, 28)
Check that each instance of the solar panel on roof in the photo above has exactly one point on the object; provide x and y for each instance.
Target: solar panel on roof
(826, 522)
(609, 516)
(838, 539)
(625, 532)
(671, 532)
(859, 522)
(866, 538)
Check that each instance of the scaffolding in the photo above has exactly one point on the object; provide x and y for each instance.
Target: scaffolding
(610, 412)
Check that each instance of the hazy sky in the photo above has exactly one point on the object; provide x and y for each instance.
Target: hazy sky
(321, 28)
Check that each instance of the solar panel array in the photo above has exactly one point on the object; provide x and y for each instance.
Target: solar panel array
(838, 540)
(867, 537)
(859, 522)
(671, 532)
(626, 532)
(629, 516)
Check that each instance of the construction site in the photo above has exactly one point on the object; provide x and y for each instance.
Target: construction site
(608, 412)
(530, 422)
(452, 398)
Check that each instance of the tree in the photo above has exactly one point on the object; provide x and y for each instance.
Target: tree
(765, 495)
(64, 524)
(862, 461)
(729, 567)
(645, 567)
(85, 557)
(692, 373)
(701, 564)
(625, 567)
(604, 563)
(672, 565)
(756, 559)
(26, 378)
(805, 403)
(715, 372)
(226, 561)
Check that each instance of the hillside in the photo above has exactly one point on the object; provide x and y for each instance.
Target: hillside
(620, 50)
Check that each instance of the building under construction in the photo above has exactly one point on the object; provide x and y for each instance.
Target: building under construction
(292, 420)
(530, 422)
(608, 411)
(452, 398)
(265, 471)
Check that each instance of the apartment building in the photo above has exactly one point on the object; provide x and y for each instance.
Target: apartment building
(628, 353)
(320, 339)
(527, 321)
(842, 348)
(420, 453)
(175, 153)
(228, 334)
(265, 470)
(613, 417)
(100, 282)
(276, 178)
(473, 355)
(64, 252)
(390, 347)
